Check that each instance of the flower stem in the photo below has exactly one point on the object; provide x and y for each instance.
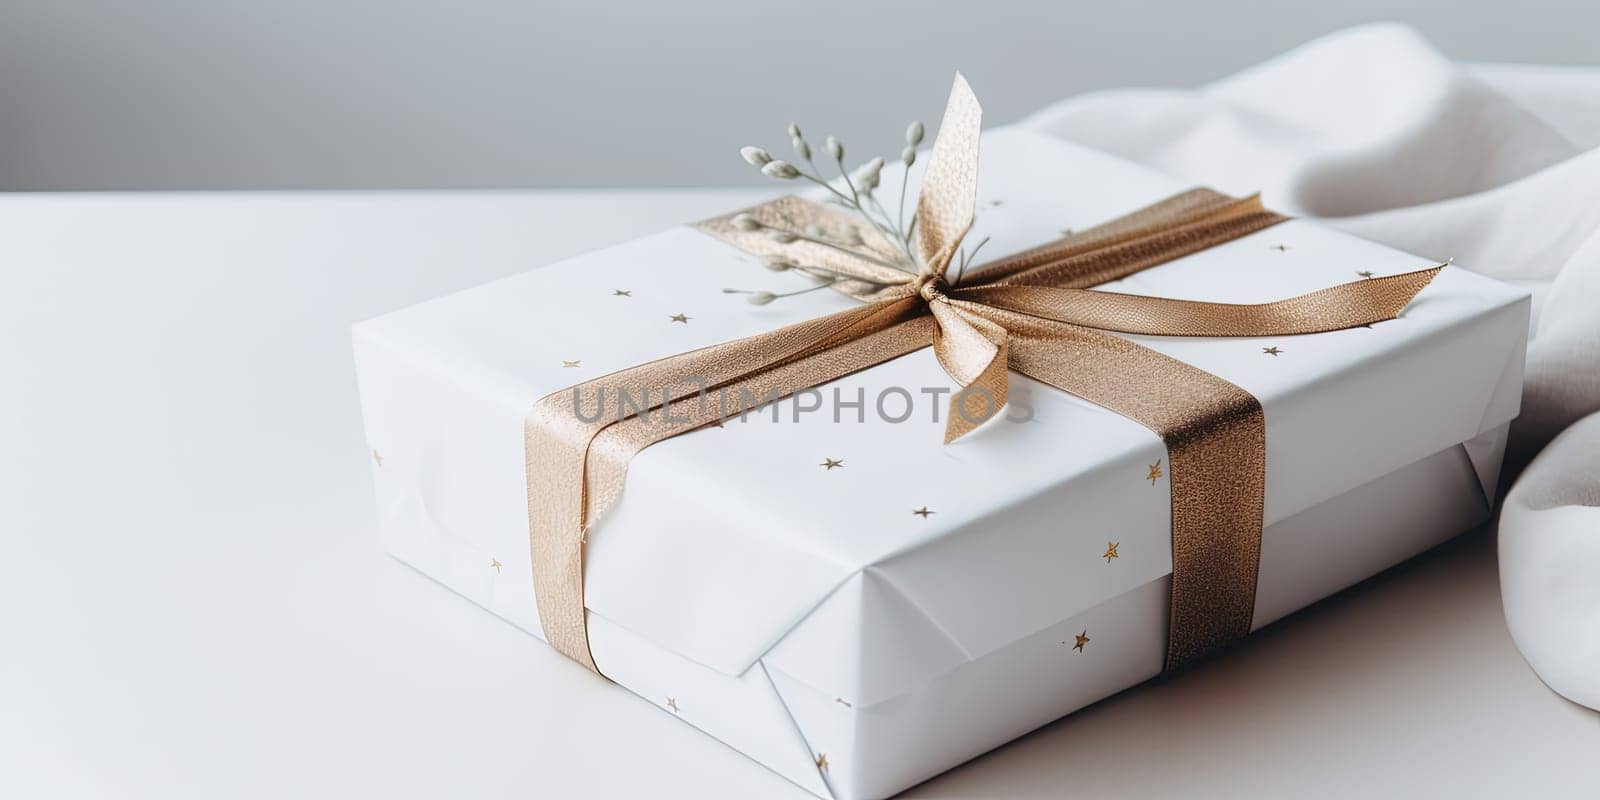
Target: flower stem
(897, 235)
(841, 248)
(852, 200)
(967, 259)
(900, 224)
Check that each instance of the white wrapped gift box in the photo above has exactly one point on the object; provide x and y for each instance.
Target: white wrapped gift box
(805, 615)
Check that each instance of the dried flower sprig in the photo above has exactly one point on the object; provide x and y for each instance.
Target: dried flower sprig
(854, 189)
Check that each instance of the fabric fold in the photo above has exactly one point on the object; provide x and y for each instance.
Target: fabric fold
(1378, 134)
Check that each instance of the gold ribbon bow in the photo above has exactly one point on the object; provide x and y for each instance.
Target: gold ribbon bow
(1028, 312)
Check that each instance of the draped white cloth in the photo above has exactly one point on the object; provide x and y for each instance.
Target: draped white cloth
(1374, 132)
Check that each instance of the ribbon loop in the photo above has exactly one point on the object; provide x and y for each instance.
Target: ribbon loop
(1334, 308)
(948, 199)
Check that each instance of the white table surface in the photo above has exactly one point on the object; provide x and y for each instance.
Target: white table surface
(194, 603)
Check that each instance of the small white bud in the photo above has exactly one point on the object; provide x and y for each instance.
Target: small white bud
(801, 148)
(908, 156)
(794, 130)
(780, 169)
(914, 134)
(760, 298)
(755, 156)
(783, 237)
(835, 149)
(745, 222)
(777, 263)
(867, 176)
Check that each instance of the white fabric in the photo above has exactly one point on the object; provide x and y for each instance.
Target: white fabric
(1376, 133)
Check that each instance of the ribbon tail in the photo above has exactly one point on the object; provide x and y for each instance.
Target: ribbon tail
(1347, 305)
(980, 400)
(975, 352)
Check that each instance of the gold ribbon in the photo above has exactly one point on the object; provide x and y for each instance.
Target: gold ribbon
(1029, 313)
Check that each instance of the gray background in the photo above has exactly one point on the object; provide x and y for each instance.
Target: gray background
(168, 94)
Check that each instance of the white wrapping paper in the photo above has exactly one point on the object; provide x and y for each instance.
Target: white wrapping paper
(805, 614)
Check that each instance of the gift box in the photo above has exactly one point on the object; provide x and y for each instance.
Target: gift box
(827, 586)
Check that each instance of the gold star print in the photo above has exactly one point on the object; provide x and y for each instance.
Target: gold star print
(377, 458)
(1155, 472)
(822, 762)
(672, 703)
(1111, 551)
(495, 565)
(1282, 248)
(571, 364)
(622, 293)
(923, 512)
(1365, 273)
(1082, 639)
(1271, 351)
(680, 318)
(830, 463)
